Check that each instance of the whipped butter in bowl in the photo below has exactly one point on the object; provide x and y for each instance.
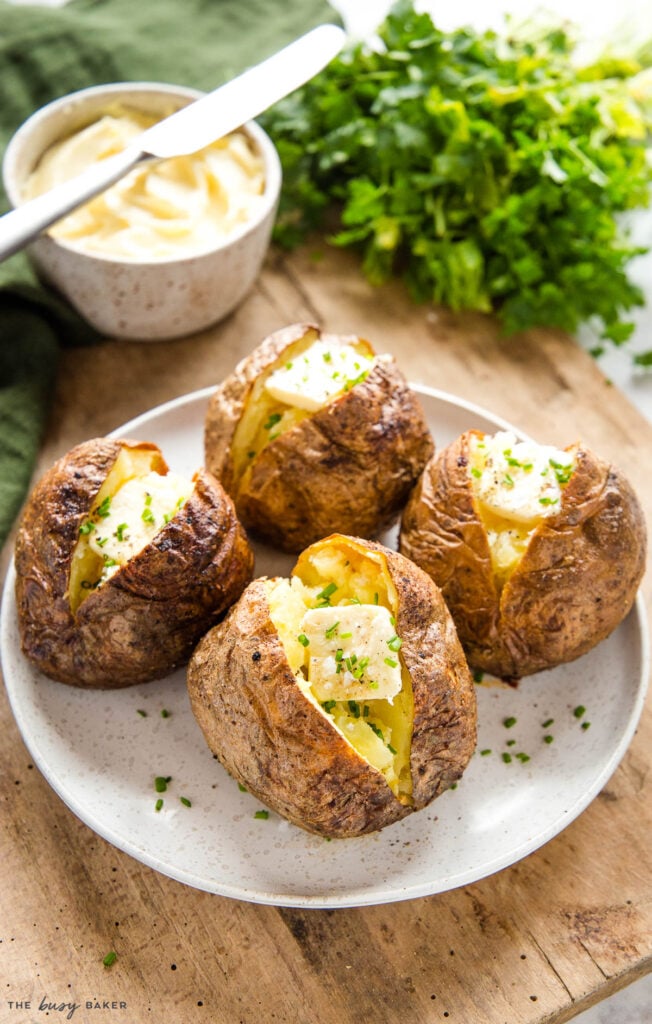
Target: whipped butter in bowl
(162, 209)
(171, 248)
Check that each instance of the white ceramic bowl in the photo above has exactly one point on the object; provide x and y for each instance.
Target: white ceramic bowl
(146, 301)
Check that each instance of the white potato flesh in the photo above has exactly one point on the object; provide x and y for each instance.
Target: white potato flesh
(311, 379)
(352, 653)
(130, 519)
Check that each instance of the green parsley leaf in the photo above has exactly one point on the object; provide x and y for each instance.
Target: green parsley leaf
(446, 156)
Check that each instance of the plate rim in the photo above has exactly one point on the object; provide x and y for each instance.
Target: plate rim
(349, 899)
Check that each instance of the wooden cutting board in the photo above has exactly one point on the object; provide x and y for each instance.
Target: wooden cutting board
(535, 943)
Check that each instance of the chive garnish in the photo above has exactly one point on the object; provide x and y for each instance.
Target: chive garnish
(165, 713)
(326, 594)
(330, 632)
(507, 758)
(263, 815)
(158, 804)
(579, 711)
(185, 801)
(274, 418)
(548, 739)
(303, 639)
(395, 643)
(86, 528)
(391, 662)
(161, 783)
(509, 722)
(548, 722)
(103, 509)
(143, 714)
(483, 753)
(329, 705)
(586, 725)
(110, 958)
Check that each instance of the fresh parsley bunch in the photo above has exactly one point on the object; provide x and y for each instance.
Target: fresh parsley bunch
(488, 171)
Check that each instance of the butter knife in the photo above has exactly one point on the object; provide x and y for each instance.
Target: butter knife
(186, 131)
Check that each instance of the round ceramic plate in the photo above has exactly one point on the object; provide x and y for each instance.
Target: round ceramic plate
(102, 750)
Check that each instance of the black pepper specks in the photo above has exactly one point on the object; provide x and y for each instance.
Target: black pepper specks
(256, 656)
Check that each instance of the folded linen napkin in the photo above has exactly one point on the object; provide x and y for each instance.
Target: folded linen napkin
(49, 52)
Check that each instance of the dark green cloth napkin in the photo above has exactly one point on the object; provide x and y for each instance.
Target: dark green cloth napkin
(48, 52)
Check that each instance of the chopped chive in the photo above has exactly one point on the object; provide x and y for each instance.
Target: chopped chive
(391, 662)
(185, 801)
(143, 714)
(251, 454)
(508, 480)
(523, 757)
(327, 592)
(476, 473)
(586, 725)
(345, 636)
(395, 643)
(547, 501)
(483, 753)
(110, 958)
(243, 789)
(103, 509)
(548, 739)
(303, 639)
(165, 713)
(548, 722)
(86, 528)
(263, 815)
(330, 632)
(101, 541)
(274, 418)
(161, 783)
(510, 743)
(354, 708)
(374, 728)
(147, 515)
(392, 751)
(478, 676)
(507, 758)
(372, 685)
(158, 804)
(329, 705)
(120, 531)
(376, 598)
(579, 711)
(509, 722)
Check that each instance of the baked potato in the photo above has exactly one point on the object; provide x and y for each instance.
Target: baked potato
(121, 565)
(314, 434)
(538, 551)
(340, 697)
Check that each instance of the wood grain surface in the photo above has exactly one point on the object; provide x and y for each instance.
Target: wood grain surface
(535, 943)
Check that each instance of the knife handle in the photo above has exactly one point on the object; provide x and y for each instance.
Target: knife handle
(27, 221)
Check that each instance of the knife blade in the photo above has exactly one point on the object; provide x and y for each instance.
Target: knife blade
(186, 131)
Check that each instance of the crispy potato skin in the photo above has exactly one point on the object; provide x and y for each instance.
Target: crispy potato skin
(575, 583)
(348, 468)
(144, 621)
(274, 741)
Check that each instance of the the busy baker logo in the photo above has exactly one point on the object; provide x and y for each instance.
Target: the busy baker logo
(67, 1009)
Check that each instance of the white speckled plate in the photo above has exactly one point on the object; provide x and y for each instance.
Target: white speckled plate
(101, 754)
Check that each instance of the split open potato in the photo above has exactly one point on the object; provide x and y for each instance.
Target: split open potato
(539, 552)
(121, 565)
(340, 697)
(314, 434)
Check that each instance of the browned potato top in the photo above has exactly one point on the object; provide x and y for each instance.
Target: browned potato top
(573, 583)
(355, 761)
(296, 474)
(89, 621)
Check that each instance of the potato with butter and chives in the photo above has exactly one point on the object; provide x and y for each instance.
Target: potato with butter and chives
(122, 565)
(315, 433)
(339, 697)
(538, 551)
